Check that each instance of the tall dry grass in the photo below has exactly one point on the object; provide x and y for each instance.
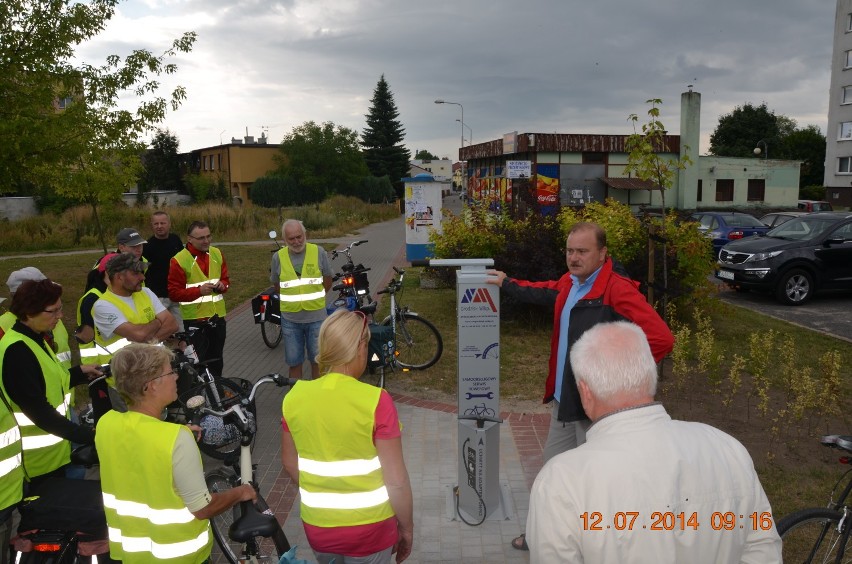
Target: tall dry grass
(76, 228)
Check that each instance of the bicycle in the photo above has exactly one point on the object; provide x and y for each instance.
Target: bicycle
(417, 342)
(354, 286)
(267, 309)
(821, 534)
(248, 532)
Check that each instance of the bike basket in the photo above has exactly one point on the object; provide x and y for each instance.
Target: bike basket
(267, 301)
(381, 348)
(65, 504)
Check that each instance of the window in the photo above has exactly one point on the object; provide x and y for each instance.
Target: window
(846, 98)
(756, 189)
(725, 190)
(594, 158)
(849, 22)
(844, 165)
(64, 102)
(845, 130)
(700, 190)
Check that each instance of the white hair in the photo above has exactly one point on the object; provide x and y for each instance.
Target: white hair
(293, 222)
(615, 359)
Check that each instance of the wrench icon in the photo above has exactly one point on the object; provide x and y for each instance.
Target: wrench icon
(489, 395)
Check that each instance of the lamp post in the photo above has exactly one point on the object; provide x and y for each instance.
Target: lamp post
(439, 101)
(765, 148)
(470, 132)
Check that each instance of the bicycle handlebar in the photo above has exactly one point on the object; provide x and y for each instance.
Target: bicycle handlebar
(278, 379)
(480, 419)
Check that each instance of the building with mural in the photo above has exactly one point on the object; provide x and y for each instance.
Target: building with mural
(567, 169)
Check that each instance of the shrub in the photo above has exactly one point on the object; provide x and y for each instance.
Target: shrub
(274, 191)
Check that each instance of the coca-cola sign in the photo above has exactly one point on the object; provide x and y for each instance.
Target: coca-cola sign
(547, 199)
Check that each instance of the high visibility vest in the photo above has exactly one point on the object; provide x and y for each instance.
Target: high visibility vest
(142, 312)
(11, 464)
(89, 353)
(42, 452)
(305, 292)
(340, 476)
(205, 306)
(60, 337)
(147, 519)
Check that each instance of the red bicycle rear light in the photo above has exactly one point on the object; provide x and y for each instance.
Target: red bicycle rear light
(264, 297)
(46, 547)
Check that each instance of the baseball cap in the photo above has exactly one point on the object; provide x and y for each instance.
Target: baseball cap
(130, 237)
(124, 261)
(20, 276)
(103, 262)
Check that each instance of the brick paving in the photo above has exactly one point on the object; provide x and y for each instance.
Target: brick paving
(429, 438)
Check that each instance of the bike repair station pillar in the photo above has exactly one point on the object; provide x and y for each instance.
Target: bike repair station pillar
(480, 495)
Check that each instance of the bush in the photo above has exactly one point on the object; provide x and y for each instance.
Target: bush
(377, 189)
(812, 193)
(274, 191)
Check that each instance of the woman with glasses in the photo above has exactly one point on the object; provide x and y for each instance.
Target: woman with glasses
(36, 386)
(342, 445)
(157, 503)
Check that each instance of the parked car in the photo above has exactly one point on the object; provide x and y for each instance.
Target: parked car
(814, 206)
(777, 218)
(724, 227)
(793, 260)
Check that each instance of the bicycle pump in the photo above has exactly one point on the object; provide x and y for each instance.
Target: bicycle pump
(480, 495)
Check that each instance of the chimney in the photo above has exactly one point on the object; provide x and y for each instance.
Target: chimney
(690, 133)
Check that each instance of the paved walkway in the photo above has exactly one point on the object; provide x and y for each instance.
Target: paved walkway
(429, 438)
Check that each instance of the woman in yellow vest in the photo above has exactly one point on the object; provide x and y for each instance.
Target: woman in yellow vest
(36, 385)
(156, 501)
(342, 445)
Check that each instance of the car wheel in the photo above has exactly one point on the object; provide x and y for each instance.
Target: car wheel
(795, 287)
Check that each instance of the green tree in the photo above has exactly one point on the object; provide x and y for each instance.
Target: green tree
(738, 132)
(161, 164)
(382, 138)
(323, 159)
(807, 145)
(424, 155)
(274, 191)
(644, 161)
(61, 125)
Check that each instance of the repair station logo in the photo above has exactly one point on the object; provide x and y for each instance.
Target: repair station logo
(479, 296)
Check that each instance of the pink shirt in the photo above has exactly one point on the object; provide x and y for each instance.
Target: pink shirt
(360, 540)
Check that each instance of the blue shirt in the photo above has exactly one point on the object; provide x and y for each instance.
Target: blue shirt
(578, 292)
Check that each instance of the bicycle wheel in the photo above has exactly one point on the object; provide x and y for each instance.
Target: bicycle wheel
(271, 333)
(266, 549)
(418, 343)
(227, 439)
(811, 535)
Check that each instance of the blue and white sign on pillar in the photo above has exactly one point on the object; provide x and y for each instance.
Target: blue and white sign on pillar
(479, 352)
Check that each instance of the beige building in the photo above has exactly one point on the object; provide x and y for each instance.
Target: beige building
(238, 163)
(838, 136)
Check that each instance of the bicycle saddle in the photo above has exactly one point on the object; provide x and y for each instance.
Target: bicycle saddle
(370, 308)
(252, 524)
(838, 441)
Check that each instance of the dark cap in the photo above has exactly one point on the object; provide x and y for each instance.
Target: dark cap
(124, 261)
(130, 237)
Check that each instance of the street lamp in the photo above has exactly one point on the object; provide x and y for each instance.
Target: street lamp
(765, 148)
(469, 137)
(439, 101)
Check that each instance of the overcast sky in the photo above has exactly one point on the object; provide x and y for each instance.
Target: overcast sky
(546, 66)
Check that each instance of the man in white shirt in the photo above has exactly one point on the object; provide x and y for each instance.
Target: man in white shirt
(644, 487)
(129, 312)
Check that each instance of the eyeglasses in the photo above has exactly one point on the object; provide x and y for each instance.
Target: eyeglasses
(169, 373)
(363, 316)
(204, 238)
(56, 312)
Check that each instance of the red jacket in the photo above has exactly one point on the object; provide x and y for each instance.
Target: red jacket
(178, 292)
(613, 297)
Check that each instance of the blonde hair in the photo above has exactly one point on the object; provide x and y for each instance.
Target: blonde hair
(339, 338)
(136, 364)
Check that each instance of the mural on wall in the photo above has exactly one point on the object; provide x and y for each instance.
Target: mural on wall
(547, 188)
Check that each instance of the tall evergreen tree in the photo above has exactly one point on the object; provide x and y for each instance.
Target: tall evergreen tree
(382, 138)
(161, 164)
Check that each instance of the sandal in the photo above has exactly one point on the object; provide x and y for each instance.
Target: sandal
(520, 542)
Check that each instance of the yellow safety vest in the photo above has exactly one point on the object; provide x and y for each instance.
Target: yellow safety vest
(205, 306)
(142, 313)
(305, 292)
(42, 451)
(147, 519)
(89, 353)
(60, 337)
(11, 464)
(340, 476)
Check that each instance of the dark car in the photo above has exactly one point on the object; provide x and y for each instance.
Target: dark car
(724, 227)
(777, 218)
(806, 254)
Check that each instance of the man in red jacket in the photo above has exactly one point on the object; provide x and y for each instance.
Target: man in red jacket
(588, 294)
